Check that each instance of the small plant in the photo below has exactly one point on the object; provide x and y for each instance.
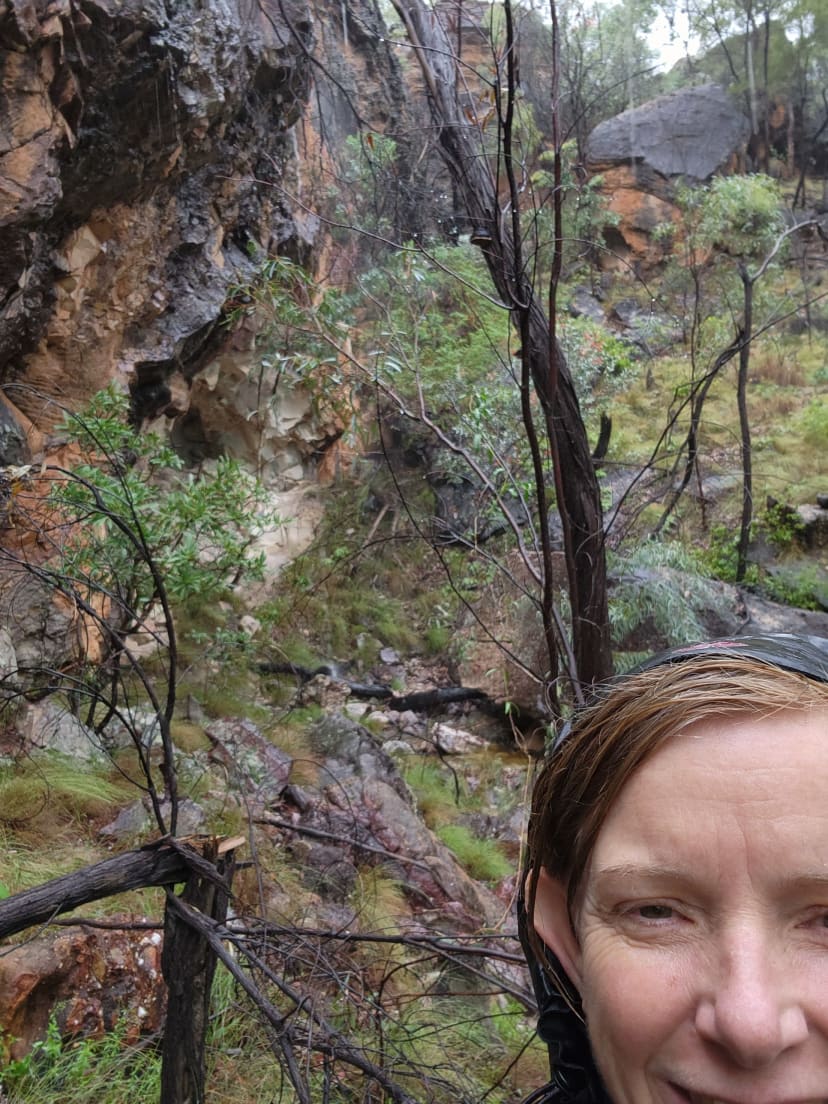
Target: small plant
(105, 1070)
(801, 588)
(781, 525)
(297, 331)
(814, 420)
(660, 583)
(436, 792)
(483, 859)
(438, 638)
(594, 354)
(741, 215)
(198, 533)
(720, 558)
(586, 212)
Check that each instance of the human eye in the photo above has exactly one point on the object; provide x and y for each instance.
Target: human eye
(655, 912)
(649, 913)
(817, 920)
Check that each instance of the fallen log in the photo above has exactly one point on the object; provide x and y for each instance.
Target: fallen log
(423, 700)
(418, 700)
(158, 864)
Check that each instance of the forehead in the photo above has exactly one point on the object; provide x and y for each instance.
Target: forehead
(764, 780)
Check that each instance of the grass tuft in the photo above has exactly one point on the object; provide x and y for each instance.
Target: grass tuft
(483, 859)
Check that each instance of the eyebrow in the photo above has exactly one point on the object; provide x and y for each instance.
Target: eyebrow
(655, 872)
(635, 870)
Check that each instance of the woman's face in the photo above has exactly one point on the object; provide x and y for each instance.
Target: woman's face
(702, 926)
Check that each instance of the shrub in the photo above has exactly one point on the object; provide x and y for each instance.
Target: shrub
(814, 421)
(594, 356)
(781, 525)
(123, 534)
(659, 582)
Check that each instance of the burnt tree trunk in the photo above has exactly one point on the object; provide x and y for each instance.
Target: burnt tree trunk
(188, 964)
(188, 961)
(156, 865)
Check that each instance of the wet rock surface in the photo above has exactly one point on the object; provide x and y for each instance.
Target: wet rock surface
(641, 153)
(91, 978)
(367, 803)
(135, 138)
(691, 133)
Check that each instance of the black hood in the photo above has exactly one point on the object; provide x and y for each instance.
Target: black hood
(575, 1078)
(807, 655)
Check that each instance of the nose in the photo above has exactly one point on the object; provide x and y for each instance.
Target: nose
(751, 1010)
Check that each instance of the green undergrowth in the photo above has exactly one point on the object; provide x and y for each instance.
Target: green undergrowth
(46, 793)
(439, 794)
(443, 1041)
(444, 1037)
(481, 858)
(445, 801)
(787, 406)
(103, 1071)
(27, 863)
(659, 589)
(458, 1044)
(366, 583)
(86, 1071)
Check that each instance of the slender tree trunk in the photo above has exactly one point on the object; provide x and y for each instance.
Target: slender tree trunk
(691, 441)
(790, 146)
(744, 428)
(579, 503)
(766, 90)
(751, 76)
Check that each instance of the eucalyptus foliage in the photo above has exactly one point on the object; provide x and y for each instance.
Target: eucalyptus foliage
(129, 517)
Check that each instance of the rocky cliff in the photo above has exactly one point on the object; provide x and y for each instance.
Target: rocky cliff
(149, 151)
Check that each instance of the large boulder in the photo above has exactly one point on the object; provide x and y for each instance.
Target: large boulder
(91, 980)
(640, 154)
(692, 133)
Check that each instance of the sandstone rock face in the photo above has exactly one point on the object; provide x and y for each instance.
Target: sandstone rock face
(687, 135)
(134, 137)
(149, 158)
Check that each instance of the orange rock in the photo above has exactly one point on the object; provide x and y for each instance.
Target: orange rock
(88, 978)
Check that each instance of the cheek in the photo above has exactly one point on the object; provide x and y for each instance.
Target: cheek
(634, 1002)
